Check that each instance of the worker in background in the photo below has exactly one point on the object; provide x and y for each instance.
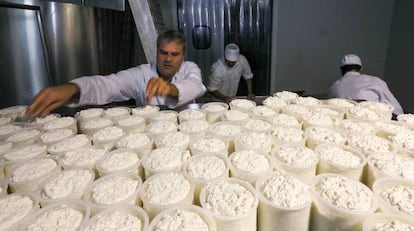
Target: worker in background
(357, 86)
(171, 82)
(226, 73)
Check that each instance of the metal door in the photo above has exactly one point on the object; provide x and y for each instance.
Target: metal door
(244, 22)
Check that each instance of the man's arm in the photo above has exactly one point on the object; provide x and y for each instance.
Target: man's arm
(51, 98)
(250, 94)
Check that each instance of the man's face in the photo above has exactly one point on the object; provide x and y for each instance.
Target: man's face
(170, 55)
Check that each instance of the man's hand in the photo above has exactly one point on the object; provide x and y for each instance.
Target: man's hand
(159, 87)
(51, 98)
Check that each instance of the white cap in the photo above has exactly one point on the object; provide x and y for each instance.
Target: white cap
(351, 59)
(232, 52)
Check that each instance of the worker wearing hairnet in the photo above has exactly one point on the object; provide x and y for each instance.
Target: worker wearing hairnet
(226, 73)
(357, 86)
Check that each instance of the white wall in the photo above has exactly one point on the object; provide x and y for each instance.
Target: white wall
(399, 71)
(310, 37)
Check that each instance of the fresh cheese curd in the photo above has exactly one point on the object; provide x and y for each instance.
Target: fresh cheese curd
(82, 157)
(407, 118)
(395, 195)
(296, 110)
(146, 111)
(329, 110)
(298, 160)
(384, 109)
(209, 144)
(5, 146)
(7, 130)
(317, 119)
(194, 128)
(163, 159)
(69, 144)
(356, 126)
(166, 189)
(115, 113)
(262, 112)
(106, 137)
(24, 136)
(285, 120)
(235, 116)
(286, 201)
(370, 143)
(13, 111)
(341, 103)
(381, 221)
(404, 140)
(283, 135)
(131, 124)
(242, 104)
(224, 129)
(257, 141)
(249, 165)
(14, 207)
(184, 218)
(89, 113)
(307, 101)
(275, 103)
(389, 164)
(166, 115)
(141, 143)
(340, 159)
(56, 135)
(27, 176)
(389, 128)
(257, 125)
(191, 114)
(114, 189)
(58, 217)
(5, 120)
(120, 217)
(362, 113)
(70, 183)
(287, 96)
(174, 139)
(61, 122)
(120, 160)
(321, 135)
(25, 152)
(214, 110)
(206, 166)
(160, 127)
(230, 214)
(340, 202)
(92, 125)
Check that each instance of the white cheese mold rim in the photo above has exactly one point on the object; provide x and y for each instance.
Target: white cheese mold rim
(335, 163)
(126, 209)
(395, 195)
(214, 110)
(12, 213)
(170, 188)
(283, 188)
(245, 221)
(205, 164)
(110, 191)
(327, 216)
(382, 219)
(200, 212)
(67, 214)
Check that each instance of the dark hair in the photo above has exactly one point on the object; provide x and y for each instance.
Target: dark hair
(171, 35)
(347, 68)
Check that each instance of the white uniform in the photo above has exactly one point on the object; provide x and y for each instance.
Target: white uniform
(354, 85)
(226, 79)
(131, 84)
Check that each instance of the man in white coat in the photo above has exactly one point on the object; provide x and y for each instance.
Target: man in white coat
(357, 86)
(171, 82)
(226, 73)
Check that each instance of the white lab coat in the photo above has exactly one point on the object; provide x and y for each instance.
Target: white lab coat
(131, 84)
(226, 79)
(354, 85)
